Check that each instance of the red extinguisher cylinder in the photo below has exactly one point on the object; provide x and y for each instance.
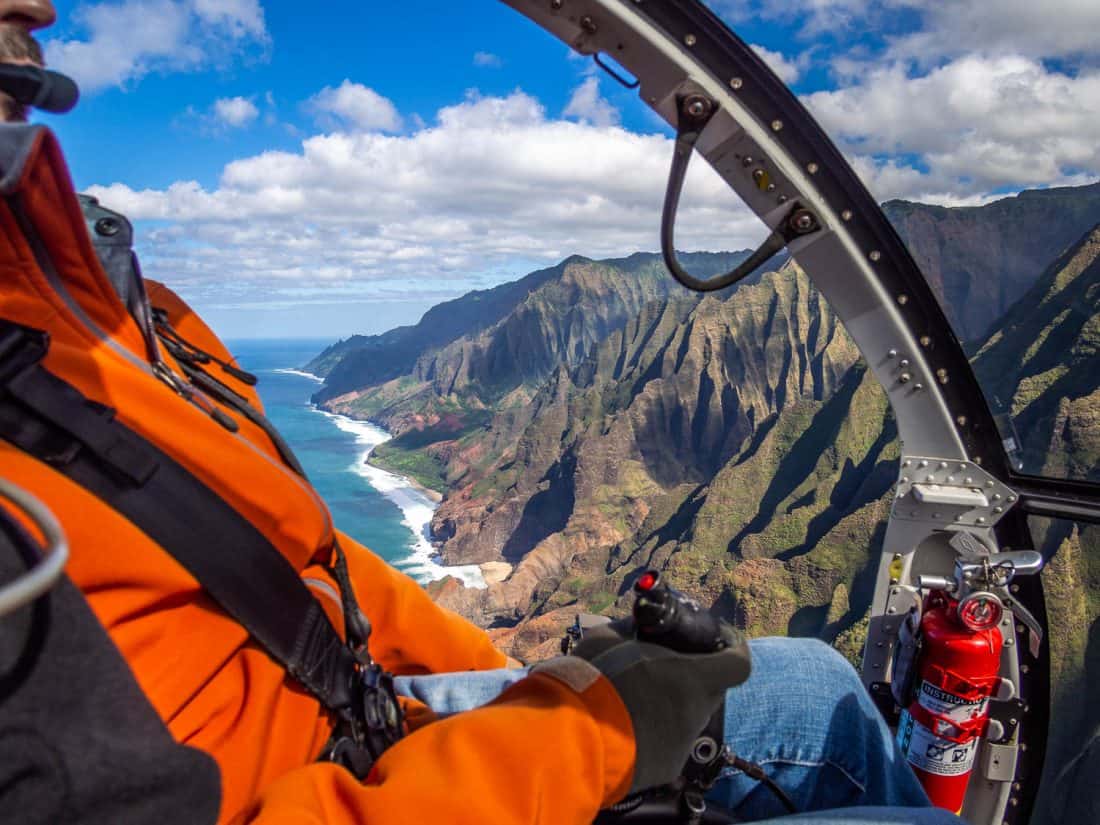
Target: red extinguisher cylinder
(941, 729)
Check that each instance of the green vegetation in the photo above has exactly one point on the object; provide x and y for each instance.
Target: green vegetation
(419, 466)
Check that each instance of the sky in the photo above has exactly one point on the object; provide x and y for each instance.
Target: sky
(318, 170)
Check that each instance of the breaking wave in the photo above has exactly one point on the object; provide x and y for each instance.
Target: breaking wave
(416, 507)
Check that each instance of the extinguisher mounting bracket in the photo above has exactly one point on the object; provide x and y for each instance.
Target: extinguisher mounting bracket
(945, 492)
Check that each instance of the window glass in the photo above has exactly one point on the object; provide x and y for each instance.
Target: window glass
(1071, 582)
(1038, 368)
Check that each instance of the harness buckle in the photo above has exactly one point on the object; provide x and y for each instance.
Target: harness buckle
(376, 722)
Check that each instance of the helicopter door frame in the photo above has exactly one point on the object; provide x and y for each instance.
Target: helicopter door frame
(773, 154)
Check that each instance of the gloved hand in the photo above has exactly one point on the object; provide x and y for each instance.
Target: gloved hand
(670, 696)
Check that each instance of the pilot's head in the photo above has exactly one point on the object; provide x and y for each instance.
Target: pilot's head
(18, 18)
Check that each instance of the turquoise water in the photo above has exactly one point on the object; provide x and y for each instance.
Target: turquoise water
(331, 456)
(383, 511)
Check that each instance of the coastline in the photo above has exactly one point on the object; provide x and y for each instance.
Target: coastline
(427, 492)
(416, 502)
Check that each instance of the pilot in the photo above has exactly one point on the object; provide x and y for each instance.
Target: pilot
(214, 567)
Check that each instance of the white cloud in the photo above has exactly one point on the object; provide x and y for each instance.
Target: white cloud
(242, 18)
(127, 40)
(813, 16)
(977, 124)
(787, 70)
(353, 105)
(587, 105)
(493, 181)
(235, 112)
(1052, 28)
(487, 60)
(943, 28)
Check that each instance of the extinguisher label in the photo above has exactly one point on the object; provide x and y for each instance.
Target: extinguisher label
(950, 706)
(930, 753)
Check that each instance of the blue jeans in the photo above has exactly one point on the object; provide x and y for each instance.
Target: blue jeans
(803, 715)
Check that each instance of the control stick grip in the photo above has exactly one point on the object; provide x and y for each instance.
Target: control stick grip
(665, 616)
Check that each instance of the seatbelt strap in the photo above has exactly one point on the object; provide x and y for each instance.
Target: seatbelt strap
(233, 561)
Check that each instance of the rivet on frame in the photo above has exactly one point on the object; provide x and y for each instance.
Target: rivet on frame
(875, 255)
(812, 168)
(689, 40)
(925, 341)
(846, 215)
(736, 83)
(777, 125)
(903, 299)
(961, 420)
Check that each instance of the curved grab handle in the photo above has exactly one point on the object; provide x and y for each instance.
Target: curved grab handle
(43, 575)
(695, 111)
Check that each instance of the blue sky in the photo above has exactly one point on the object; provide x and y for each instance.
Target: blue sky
(299, 174)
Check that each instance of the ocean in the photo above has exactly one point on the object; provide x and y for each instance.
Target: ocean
(381, 510)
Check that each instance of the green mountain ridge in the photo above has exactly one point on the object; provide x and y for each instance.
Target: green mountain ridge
(455, 389)
(363, 361)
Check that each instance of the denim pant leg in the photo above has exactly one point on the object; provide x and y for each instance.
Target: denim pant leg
(871, 816)
(448, 693)
(805, 717)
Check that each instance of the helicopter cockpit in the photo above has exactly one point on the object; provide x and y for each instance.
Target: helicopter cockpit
(990, 519)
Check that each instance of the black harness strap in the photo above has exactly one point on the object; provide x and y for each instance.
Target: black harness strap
(191, 360)
(235, 563)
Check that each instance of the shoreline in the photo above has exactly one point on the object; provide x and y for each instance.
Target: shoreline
(416, 502)
(427, 492)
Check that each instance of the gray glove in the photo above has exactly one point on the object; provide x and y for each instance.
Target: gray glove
(670, 696)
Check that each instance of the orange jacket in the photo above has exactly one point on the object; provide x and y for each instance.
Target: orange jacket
(540, 753)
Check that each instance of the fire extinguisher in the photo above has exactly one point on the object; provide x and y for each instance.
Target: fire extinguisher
(951, 682)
